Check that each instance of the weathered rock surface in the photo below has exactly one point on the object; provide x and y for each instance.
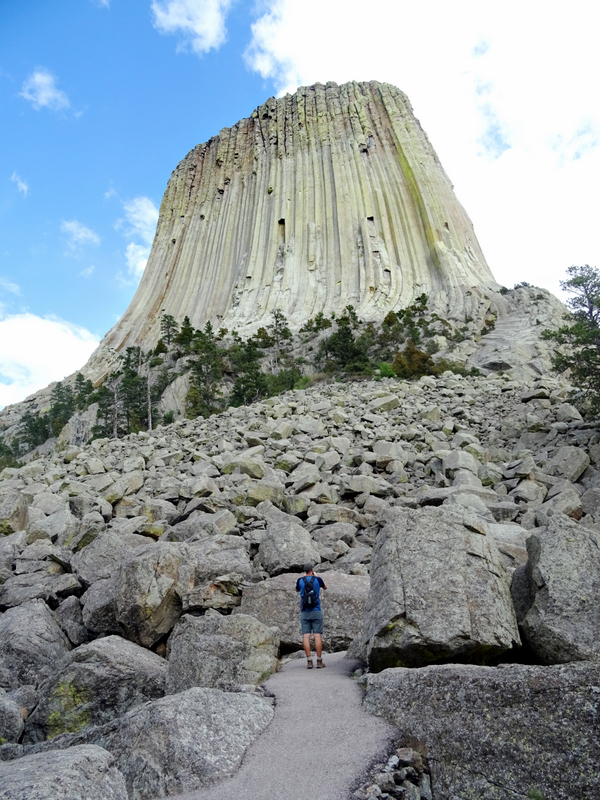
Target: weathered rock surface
(563, 622)
(498, 733)
(220, 652)
(95, 683)
(86, 772)
(11, 719)
(438, 591)
(31, 643)
(306, 257)
(276, 602)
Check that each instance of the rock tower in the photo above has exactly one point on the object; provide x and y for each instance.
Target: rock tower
(327, 197)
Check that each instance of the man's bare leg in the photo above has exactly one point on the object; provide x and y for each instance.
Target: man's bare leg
(306, 643)
(318, 644)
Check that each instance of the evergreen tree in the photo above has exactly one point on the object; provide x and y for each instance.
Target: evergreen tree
(251, 383)
(581, 336)
(62, 407)
(185, 336)
(207, 370)
(82, 392)
(168, 328)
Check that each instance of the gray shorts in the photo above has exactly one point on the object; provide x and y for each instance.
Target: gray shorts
(311, 621)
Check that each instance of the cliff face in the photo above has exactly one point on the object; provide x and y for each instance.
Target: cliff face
(330, 196)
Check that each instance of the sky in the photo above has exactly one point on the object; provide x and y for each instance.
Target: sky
(100, 99)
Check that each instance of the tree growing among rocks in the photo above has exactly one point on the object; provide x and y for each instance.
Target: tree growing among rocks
(581, 336)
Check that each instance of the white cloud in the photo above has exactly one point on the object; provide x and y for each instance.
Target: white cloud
(200, 22)
(22, 185)
(34, 351)
(101, 3)
(141, 216)
(78, 235)
(41, 91)
(9, 286)
(508, 98)
(88, 271)
(137, 258)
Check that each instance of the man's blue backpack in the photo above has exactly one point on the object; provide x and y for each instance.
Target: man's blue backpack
(309, 595)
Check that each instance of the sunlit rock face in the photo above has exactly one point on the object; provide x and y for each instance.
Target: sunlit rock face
(327, 197)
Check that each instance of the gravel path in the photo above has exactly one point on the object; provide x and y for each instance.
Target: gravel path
(319, 743)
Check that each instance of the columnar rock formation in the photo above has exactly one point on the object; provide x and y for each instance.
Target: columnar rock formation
(330, 196)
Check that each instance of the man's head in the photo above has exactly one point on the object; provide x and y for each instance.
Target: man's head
(308, 568)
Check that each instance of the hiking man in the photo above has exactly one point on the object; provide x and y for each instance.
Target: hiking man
(311, 616)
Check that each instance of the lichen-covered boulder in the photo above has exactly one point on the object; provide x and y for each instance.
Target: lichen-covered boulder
(438, 590)
(93, 684)
(86, 772)
(31, 643)
(494, 733)
(220, 652)
(103, 557)
(563, 621)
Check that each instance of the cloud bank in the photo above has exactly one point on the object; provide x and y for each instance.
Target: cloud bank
(49, 349)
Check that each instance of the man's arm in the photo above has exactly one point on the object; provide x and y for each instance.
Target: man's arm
(322, 582)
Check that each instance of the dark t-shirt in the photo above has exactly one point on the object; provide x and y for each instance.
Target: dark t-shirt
(318, 584)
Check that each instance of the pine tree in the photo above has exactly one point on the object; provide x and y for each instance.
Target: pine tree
(581, 336)
(168, 328)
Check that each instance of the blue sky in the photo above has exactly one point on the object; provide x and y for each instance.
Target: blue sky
(99, 100)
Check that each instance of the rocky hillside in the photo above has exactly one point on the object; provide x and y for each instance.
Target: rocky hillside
(147, 584)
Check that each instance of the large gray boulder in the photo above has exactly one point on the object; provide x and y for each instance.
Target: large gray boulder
(178, 743)
(99, 607)
(286, 546)
(220, 652)
(569, 462)
(31, 643)
(46, 585)
(185, 741)
(563, 622)
(507, 732)
(276, 602)
(86, 772)
(11, 719)
(102, 558)
(13, 512)
(438, 591)
(93, 684)
(149, 588)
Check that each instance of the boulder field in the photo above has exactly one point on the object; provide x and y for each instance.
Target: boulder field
(147, 589)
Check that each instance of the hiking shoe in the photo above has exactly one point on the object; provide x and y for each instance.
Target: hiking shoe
(309, 663)
(320, 663)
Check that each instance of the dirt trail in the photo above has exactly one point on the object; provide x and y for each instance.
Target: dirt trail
(319, 743)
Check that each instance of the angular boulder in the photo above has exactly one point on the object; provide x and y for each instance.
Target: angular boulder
(13, 512)
(148, 590)
(94, 683)
(276, 602)
(85, 772)
(563, 621)
(286, 546)
(220, 652)
(513, 731)
(31, 643)
(438, 591)
(104, 555)
(11, 719)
